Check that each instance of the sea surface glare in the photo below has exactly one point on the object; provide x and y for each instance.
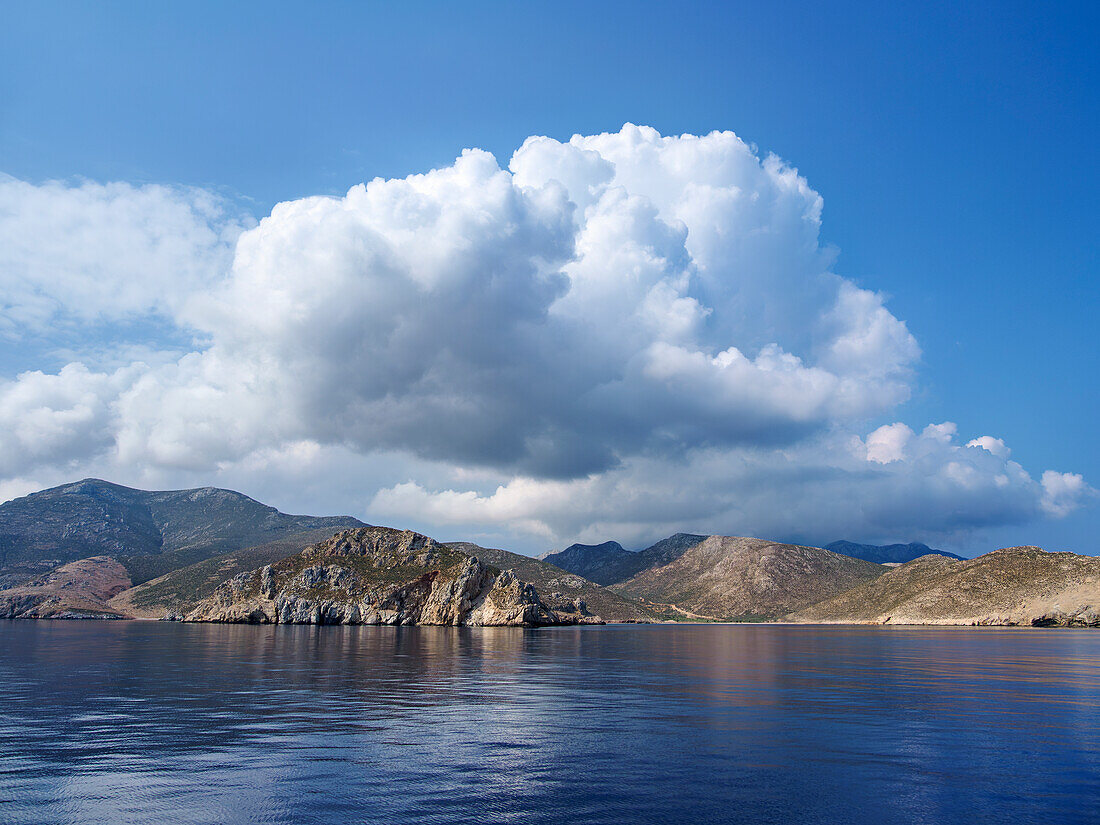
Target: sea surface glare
(146, 722)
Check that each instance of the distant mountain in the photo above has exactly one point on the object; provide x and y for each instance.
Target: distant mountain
(609, 563)
(375, 575)
(887, 553)
(726, 577)
(149, 532)
(602, 563)
(1013, 586)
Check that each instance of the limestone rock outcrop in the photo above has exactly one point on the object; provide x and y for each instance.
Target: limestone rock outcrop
(376, 575)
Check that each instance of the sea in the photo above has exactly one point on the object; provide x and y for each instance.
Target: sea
(154, 722)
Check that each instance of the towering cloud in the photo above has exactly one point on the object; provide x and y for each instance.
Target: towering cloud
(625, 330)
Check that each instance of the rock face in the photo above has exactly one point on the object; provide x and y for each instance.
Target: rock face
(728, 577)
(886, 553)
(77, 590)
(375, 575)
(609, 563)
(556, 585)
(150, 532)
(1012, 586)
(179, 591)
(1087, 616)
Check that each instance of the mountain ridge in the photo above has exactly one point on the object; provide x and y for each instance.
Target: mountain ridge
(609, 563)
(147, 530)
(887, 553)
(166, 553)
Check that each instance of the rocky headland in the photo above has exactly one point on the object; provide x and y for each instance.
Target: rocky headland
(376, 575)
(555, 584)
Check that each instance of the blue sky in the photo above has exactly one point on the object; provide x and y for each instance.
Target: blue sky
(954, 148)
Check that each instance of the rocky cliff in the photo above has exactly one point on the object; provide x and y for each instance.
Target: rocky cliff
(1012, 586)
(179, 591)
(555, 584)
(376, 575)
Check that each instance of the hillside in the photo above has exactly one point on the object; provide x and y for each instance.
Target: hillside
(77, 590)
(726, 577)
(180, 590)
(149, 532)
(547, 579)
(601, 563)
(887, 553)
(375, 575)
(1013, 586)
(609, 563)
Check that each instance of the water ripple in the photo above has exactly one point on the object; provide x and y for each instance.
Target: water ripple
(135, 722)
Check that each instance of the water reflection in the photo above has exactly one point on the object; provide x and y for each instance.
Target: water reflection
(150, 722)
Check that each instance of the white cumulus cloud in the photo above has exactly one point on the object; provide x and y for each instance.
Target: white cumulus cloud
(624, 331)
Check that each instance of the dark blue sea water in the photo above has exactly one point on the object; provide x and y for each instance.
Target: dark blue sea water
(139, 722)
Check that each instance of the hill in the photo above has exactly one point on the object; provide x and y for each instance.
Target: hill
(1012, 586)
(609, 563)
(726, 577)
(602, 563)
(887, 553)
(77, 590)
(180, 590)
(150, 532)
(375, 575)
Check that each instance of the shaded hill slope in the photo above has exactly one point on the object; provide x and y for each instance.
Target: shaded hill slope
(601, 563)
(77, 590)
(180, 590)
(886, 553)
(150, 532)
(728, 577)
(609, 563)
(1012, 586)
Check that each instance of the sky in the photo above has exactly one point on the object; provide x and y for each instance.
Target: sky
(526, 274)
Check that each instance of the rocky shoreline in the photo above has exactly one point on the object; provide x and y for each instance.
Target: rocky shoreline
(212, 555)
